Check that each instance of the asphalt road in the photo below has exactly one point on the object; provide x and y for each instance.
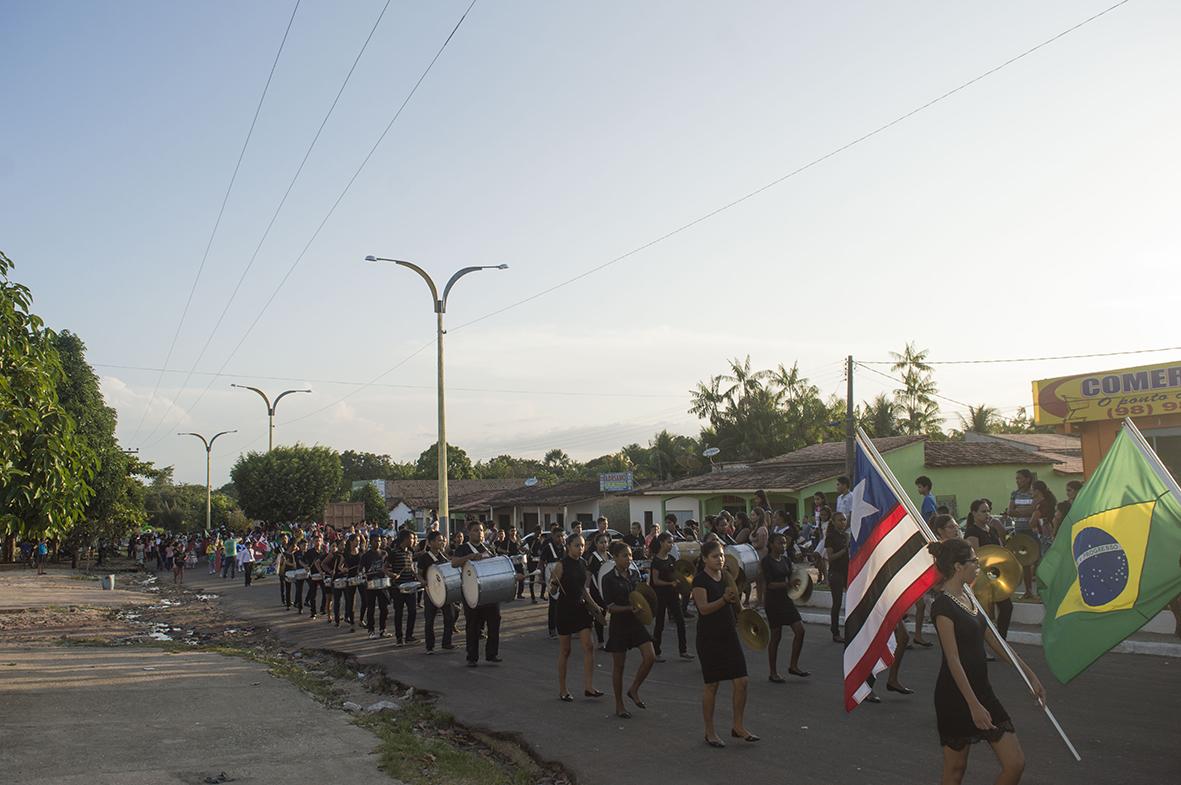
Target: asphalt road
(1122, 714)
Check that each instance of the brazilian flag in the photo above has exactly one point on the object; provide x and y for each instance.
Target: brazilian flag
(1116, 561)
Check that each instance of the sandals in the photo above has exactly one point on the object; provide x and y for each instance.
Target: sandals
(714, 742)
(900, 689)
(566, 697)
(623, 715)
(639, 703)
(800, 673)
(593, 693)
(776, 678)
(748, 737)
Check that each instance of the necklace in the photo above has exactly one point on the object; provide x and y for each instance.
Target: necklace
(968, 608)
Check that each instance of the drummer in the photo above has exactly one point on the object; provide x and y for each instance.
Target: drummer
(625, 631)
(334, 567)
(372, 565)
(775, 574)
(283, 562)
(432, 556)
(351, 564)
(476, 618)
(311, 560)
(400, 565)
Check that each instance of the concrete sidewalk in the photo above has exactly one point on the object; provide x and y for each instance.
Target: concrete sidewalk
(22, 589)
(1113, 711)
(139, 716)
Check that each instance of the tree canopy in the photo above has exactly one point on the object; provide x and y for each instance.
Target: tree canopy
(290, 483)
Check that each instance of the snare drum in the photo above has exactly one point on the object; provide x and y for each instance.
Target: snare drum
(444, 584)
(358, 580)
(317, 576)
(409, 587)
(296, 575)
(489, 581)
(377, 584)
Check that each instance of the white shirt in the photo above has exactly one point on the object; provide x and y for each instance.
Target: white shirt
(845, 504)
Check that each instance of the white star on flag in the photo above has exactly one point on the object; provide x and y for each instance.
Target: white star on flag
(861, 510)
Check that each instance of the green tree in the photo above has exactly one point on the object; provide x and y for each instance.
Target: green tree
(287, 484)
(375, 506)
(459, 465)
(879, 417)
(919, 412)
(45, 468)
(559, 464)
(981, 419)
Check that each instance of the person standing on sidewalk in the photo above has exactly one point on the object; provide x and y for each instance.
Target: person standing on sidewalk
(246, 558)
(229, 562)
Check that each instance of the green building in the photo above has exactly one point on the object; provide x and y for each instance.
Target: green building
(960, 471)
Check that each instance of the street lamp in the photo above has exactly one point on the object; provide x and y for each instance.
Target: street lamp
(440, 305)
(208, 490)
(270, 409)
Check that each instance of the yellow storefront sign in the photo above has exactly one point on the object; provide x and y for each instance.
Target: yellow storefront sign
(1109, 395)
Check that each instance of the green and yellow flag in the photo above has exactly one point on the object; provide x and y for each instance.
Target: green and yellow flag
(1116, 561)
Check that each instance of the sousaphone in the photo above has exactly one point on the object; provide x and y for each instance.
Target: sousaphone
(1000, 573)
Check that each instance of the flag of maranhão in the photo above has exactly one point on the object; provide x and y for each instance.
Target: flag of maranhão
(1116, 561)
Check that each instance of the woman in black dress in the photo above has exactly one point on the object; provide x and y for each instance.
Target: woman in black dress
(718, 648)
(966, 710)
(663, 577)
(774, 582)
(625, 631)
(569, 584)
(595, 560)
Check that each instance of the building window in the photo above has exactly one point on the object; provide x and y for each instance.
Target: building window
(585, 518)
(647, 519)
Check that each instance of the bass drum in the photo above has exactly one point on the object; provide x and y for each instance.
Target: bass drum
(444, 584)
(690, 550)
(489, 581)
(746, 557)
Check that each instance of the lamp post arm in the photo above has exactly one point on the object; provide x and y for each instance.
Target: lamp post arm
(425, 276)
(223, 433)
(204, 441)
(265, 399)
(280, 397)
(458, 274)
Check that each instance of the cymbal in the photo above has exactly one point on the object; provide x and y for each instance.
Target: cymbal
(1000, 572)
(1025, 547)
(648, 592)
(799, 582)
(753, 629)
(733, 568)
(685, 570)
(640, 607)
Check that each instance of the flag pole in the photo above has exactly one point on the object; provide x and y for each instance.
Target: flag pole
(884, 469)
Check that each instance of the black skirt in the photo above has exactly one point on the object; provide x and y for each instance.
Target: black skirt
(718, 649)
(624, 632)
(781, 611)
(572, 618)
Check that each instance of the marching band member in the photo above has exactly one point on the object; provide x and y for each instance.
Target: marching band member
(311, 560)
(625, 631)
(551, 554)
(476, 618)
(351, 566)
(774, 582)
(966, 709)
(594, 564)
(570, 582)
(372, 565)
(668, 601)
(400, 565)
(283, 562)
(332, 566)
(718, 648)
(434, 555)
(298, 553)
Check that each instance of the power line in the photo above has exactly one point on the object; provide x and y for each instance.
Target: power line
(936, 395)
(450, 388)
(1029, 359)
(793, 173)
(217, 223)
(275, 215)
(332, 210)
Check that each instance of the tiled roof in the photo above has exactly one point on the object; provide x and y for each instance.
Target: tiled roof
(420, 494)
(834, 452)
(1065, 463)
(545, 495)
(1043, 442)
(764, 476)
(944, 454)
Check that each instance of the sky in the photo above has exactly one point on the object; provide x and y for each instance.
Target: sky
(1032, 213)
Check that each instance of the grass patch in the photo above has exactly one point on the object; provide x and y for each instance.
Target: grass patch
(419, 745)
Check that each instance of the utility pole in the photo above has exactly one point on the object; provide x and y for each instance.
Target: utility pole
(208, 460)
(270, 410)
(850, 425)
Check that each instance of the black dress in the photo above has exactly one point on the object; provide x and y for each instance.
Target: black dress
(781, 610)
(956, 729)
(571, 614)
(718, 648)
(624, 630)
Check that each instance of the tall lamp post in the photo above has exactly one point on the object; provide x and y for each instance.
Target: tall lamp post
(270, 409)
(208, 460)
(440, 305)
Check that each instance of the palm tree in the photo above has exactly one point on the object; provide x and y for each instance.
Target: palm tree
(706, 399)
(920, 412)
(880, 416)
(980, 419)
(743, 380)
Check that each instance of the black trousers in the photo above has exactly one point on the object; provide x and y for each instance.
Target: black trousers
(348, 592)
(836, 585)
(408, 602)
(285, 591)
(448, 614)
(248, 571)
(312, 588)
(474, 620)
(325, 595)
(381, 599)
(1004, 615)
(299, 593)
(668, 602)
